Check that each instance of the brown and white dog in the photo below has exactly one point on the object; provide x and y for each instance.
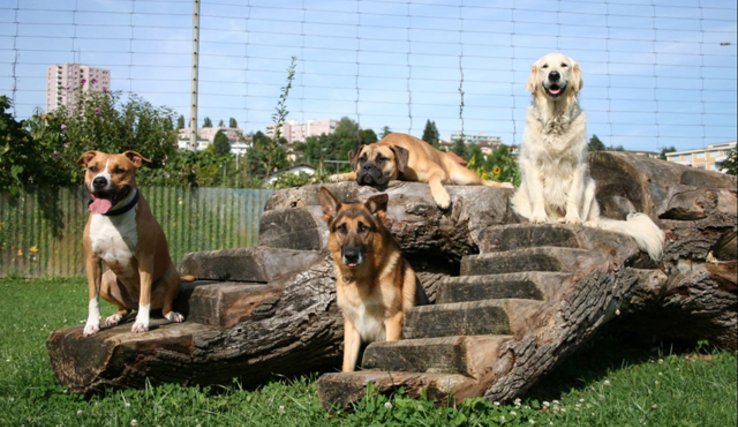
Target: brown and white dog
(122, 233)
(375, 285)
(404, 157)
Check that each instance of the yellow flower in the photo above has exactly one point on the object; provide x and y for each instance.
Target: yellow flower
(496, 171)
(20, 252)
(33, 249)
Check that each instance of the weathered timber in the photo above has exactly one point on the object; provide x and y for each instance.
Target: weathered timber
(271, 309)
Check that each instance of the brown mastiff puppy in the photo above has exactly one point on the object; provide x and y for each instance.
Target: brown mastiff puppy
(404, 157)
(375, 285)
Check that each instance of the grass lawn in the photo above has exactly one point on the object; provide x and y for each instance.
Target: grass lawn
(600, 387)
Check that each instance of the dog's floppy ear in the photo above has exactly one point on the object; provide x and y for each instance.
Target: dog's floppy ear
(85, 158)
(533, 83)
(576, 78)
(401, 157)
(377, 205)
(329, 204)
(354, 156)
(135, 158)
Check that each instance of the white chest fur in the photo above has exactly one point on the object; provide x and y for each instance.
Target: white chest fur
(114, 238)
(367, 319)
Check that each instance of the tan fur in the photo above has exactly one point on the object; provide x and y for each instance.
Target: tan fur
(144, 275)
(375, 294)
(411, 159)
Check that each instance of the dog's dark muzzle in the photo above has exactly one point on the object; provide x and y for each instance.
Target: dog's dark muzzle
(353, 256)
(370, 174)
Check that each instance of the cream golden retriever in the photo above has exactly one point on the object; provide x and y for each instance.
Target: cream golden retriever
(555, 185)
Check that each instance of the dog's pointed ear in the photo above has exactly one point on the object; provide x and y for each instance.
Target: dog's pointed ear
(533, 83)
(377, 205)
(329, 204)
(135, 158)
(576, 78)
(402, 155)
(354, 156)
(85, 158)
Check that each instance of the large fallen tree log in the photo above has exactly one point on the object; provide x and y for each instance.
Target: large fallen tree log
(254, 317)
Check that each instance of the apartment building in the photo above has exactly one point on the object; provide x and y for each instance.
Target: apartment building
(703, 158)
(65, 83)
(294, 131)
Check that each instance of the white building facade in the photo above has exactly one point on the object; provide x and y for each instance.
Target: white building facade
(66, 82)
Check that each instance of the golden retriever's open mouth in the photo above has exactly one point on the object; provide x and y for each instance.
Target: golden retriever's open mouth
(555, 90)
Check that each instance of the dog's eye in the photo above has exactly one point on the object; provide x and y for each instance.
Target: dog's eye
(545, 66)
(363, 228)
(381, 159)
(342, 229)
(362, 158)
(92, 168)
(118, 169)
(563, 65)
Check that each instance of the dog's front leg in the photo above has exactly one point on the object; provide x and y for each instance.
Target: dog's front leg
(351, 346)
(349, 176)
(393, 326)
(145, 270)
(574, 196)
(94, 275)
(438, 191)
(533, 183)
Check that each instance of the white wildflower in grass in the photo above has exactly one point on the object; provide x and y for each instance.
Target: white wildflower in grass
(502, 419)
(513, 414)
(497, 403)
(531, 421)
(555, 402)
(654, 406)
(581, 400)
(388, 405)
(134, 423)
(606, 382)
(517, 402)
(661, 361)
(281, 409)
(546, 404)
(79, 412)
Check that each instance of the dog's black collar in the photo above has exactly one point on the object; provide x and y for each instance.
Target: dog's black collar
(123, 209)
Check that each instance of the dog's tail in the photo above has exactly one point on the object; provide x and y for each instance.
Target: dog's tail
(496, 184)
(639, 226)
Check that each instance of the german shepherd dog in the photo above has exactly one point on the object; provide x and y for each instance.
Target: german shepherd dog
(375, 285)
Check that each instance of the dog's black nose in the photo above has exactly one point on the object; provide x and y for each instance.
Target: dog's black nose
(366, 166)
(554, 76)
(99, 182)
(351, 255)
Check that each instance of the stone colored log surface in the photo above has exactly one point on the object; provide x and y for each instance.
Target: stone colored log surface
(275, 310)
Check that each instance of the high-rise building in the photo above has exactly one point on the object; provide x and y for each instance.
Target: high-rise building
(294, 131)
(65, 82)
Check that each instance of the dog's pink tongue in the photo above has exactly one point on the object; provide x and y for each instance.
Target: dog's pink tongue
(100, 206)
(554, 91)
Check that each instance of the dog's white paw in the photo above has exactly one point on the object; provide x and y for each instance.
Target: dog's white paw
(335, 178)
(175, 317)
(113, 320)
(443, 200)
(91, 328)
(536, 219)
(573, 219)
(139, 327)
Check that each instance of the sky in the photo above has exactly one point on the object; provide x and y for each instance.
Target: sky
(656, 74)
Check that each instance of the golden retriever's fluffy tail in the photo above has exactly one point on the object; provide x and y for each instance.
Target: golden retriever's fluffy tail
(639, 226)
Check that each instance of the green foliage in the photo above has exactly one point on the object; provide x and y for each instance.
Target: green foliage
(499, 166)
(335, 146)
(221, 144)
(595, 144)
(386, 131)
(20, 156)
(207, 123)
(180, 122)
(430, 133)
(662, 154)
(221, 124)
(459, 147)
(730, 165)
(232, 123)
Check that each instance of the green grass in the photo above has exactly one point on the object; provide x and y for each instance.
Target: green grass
(598, 387)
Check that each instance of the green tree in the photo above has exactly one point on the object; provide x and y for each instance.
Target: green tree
(459, 147)
(430, 133)
(221, 144)
(207, 123)
(232, 123)
(615, 148)
(730, 165)
(221, 124)
(386, 131)
(180, 122)
(595, 144)
(662, 154)
(18, 152)
(367, 136)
